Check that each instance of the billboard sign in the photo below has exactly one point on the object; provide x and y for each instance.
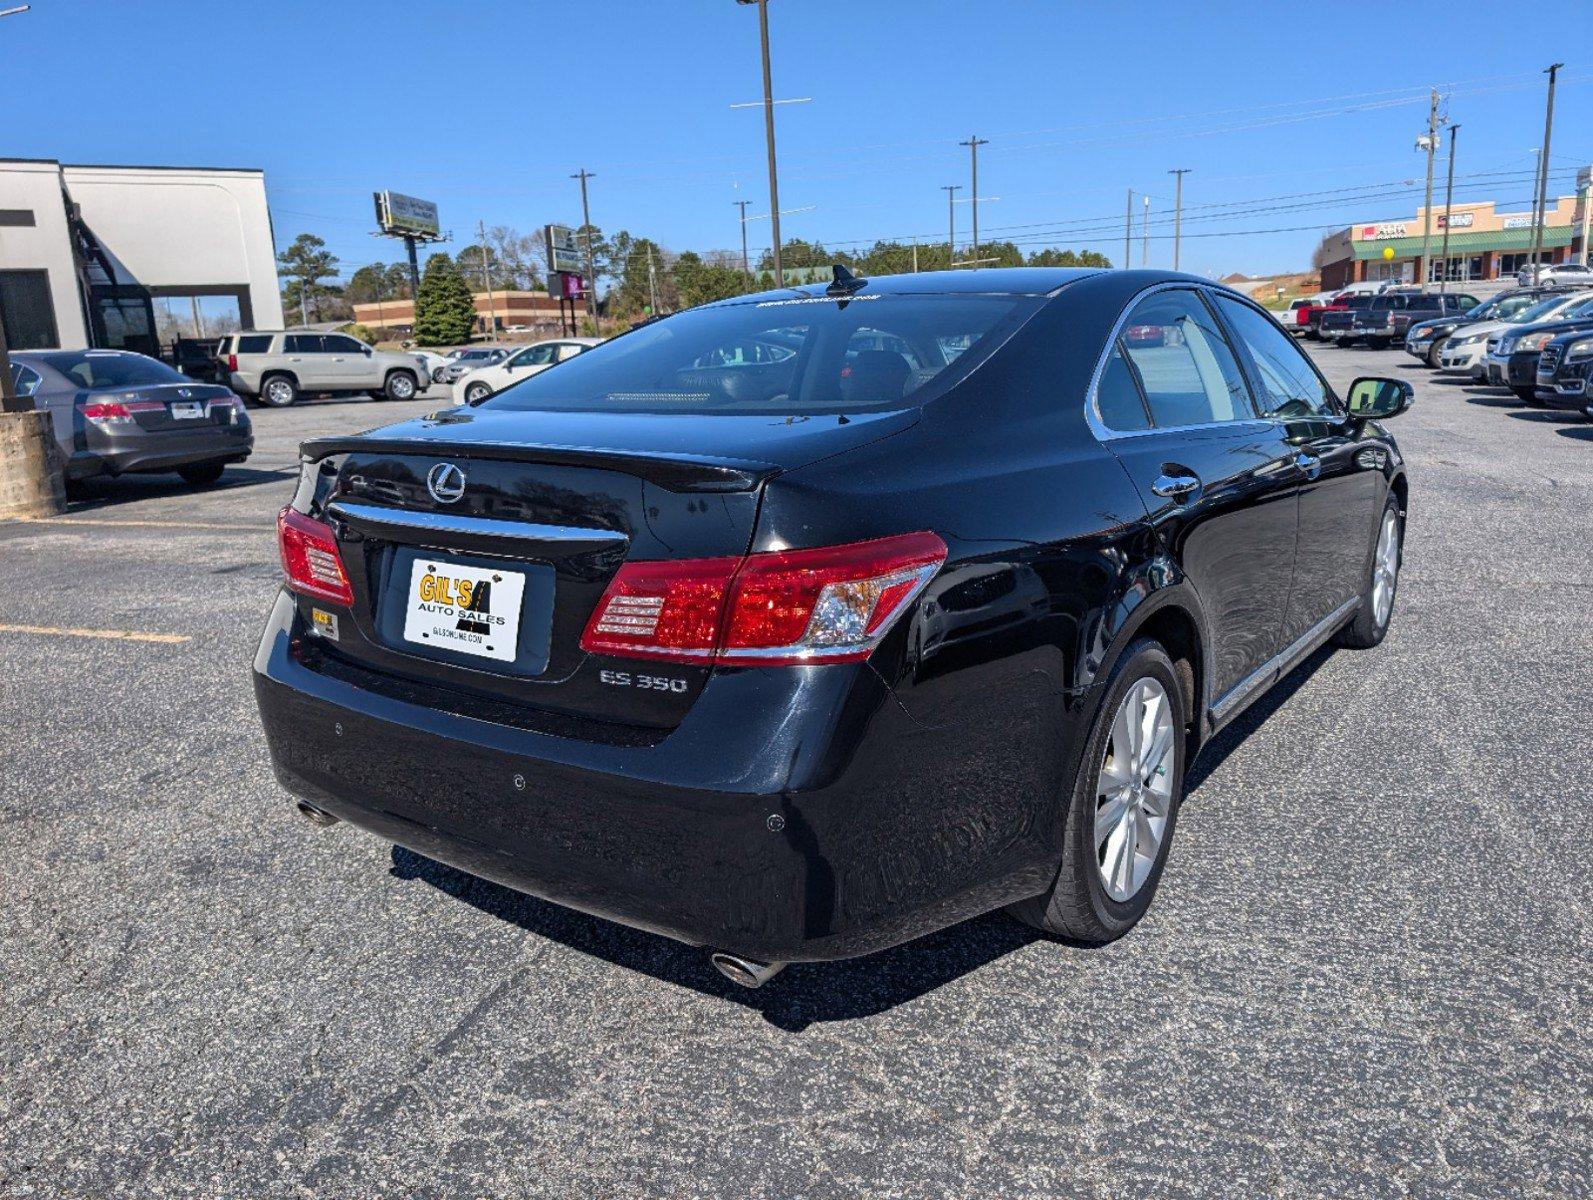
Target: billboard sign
(401, 214)
(564, 251)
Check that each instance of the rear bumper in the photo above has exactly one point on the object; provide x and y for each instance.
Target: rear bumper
(103, 452)
(794, 815)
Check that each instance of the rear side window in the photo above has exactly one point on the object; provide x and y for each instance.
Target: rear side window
(787, 355)
(1186, 368)
(301, 343)
(25, 379)
(1117, 396)
(1288, 384)
(254, 343)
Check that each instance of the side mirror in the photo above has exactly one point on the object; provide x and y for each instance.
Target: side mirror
(1373, 398)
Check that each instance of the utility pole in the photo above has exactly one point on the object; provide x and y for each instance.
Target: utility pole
(973, 143)
(951, 190)
(768, 135)
(915, 256)
(1423, 269)
(1449, 199)
(486, 279)
(1144, 234)
(1128, 232)
(652, 280)
(1178, 212)
(1552, 72)
(586, 223)
(746, 263)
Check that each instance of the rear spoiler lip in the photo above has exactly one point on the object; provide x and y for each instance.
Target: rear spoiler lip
(675, 472)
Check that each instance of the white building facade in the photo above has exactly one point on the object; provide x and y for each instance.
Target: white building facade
(88, 254)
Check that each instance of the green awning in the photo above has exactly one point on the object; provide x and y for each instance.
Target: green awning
(1470, 242)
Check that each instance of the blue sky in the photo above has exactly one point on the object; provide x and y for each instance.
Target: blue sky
(487, 107)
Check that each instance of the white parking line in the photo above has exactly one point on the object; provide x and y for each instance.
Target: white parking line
(120, 635)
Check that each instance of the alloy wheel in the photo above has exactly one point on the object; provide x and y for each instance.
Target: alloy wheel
(1385, 569)
(402, 387)
(1134, 789)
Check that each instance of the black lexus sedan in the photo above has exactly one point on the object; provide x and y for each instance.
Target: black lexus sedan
(801, 624)
(114, 412)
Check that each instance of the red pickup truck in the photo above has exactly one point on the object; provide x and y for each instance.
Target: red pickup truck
(1307, 316)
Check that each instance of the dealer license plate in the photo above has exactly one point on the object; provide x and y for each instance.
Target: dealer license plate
(187, 408)
(468, 610)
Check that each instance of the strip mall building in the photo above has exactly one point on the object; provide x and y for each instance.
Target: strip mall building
(1483, 244)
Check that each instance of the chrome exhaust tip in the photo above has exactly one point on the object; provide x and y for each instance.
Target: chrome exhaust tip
(747, 972)
(315, 816)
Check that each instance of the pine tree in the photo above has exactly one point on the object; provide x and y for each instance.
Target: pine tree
(445, 312)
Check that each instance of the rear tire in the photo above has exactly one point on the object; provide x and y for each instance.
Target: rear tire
(278, 391)
(1123, 805)
(400, 386)
(1372, 619)
(202, 473)
(1377, 343)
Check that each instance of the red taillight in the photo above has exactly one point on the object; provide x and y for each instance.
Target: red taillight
(232, 362)
(106, 410)
(832, 604)
(310, 558)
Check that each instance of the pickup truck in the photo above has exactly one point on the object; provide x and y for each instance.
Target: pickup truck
(1386, 318)
(1308, 317)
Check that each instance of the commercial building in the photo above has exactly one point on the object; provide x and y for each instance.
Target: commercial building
(536, 312)
(1483, 244)
(89, 255)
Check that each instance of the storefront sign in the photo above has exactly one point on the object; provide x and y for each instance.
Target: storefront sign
(1389, 229)
(1517, 223)
(1458, 220)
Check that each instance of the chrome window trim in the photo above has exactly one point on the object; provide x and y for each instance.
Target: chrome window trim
(1092, 413)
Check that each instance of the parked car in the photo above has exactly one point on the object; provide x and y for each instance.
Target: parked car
(115, 412)
(1466, 349)
(1386, 317)
(1299, 309)
(1336, 320)
(430, 361)
(1513, 355)
(683, 646)
(275, 368)
(471, 359)
(475, 386)
(1563, 371)
(1554, 273)
(1425, 334)
(1310, 316)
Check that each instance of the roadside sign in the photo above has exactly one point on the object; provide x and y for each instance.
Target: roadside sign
(401, 214)
(564, 253)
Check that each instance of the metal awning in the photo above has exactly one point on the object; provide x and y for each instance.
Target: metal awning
(1473, 241)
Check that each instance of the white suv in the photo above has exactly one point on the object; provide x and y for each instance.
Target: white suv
(275, 368)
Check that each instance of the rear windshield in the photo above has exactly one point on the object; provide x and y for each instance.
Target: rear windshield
(798, 354)
(90, 369)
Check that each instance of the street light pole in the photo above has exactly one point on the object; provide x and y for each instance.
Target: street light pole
(1552, 72)
(1144, 234)
(1178, 211)
(591, 267)
(1423, 268)
(951, 190)
(973, 143)
(1128, 232)
(1449, 199)
(486, 278)
(768, 135)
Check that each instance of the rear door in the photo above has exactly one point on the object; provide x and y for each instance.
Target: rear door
(307, 361)
(349, 362)
(1340, 475)
(1219, 482)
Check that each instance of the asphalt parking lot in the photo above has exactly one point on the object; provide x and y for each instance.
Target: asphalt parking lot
(1367, 972)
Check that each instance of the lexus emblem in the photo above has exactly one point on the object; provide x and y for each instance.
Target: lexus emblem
(446, 483)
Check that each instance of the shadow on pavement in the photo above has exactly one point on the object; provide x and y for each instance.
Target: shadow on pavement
(1582, 432)
(801, 995)
(1216, 751)
(91, 494)
(1546, 416)
(1492, 398)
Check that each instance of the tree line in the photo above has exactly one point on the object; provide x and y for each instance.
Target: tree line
(635, 276)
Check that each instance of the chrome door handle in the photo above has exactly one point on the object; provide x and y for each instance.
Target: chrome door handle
(1175, 487)
(1309, 463)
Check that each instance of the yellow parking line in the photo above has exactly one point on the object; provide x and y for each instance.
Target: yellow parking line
(141, 524)
(121, 635)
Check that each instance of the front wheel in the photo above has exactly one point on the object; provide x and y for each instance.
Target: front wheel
(1123, 805)
(1433, 352)
(1527, 395)
(400, 386)
(476, 393)
(1382, 583)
